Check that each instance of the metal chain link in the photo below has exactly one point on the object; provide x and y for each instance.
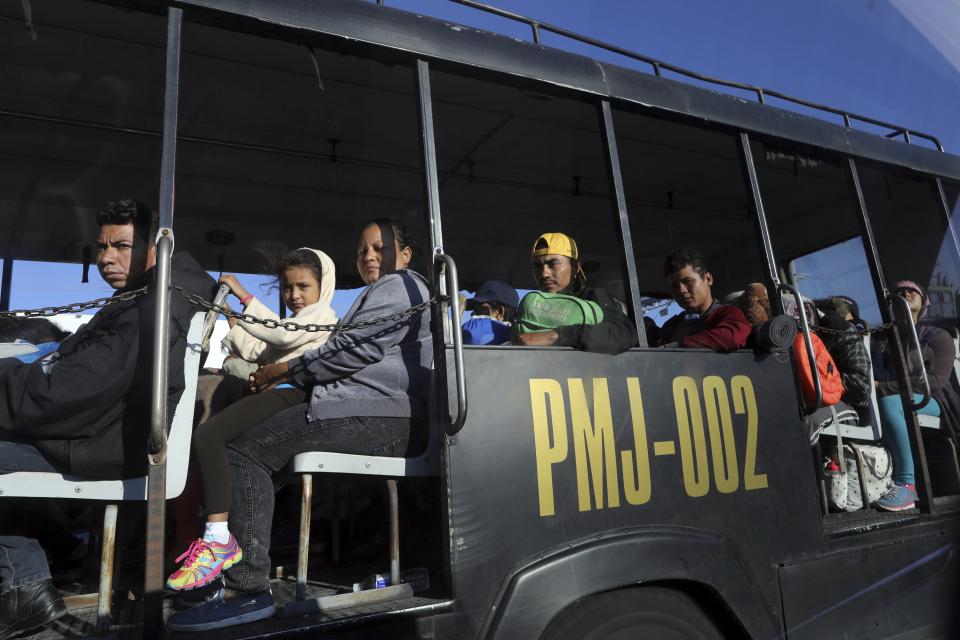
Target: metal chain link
(853, 332)
(74, 307)
(269, 323)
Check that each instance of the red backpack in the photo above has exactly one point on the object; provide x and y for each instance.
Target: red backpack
(830, 382)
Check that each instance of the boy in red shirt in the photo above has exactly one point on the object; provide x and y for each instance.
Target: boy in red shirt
(704, 323)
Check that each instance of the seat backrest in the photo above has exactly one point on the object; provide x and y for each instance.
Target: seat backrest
(181, 428)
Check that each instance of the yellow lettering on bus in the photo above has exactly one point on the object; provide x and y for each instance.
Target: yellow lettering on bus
(593, 444)
(745, 401)
(726, 472)
(543, 390)
(693, 451)
(636, 491)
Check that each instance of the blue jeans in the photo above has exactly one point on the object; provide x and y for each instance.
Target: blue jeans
(22, 560)
(895, 433)
(258, 456)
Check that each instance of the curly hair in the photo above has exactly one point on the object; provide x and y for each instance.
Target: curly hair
(145, 220)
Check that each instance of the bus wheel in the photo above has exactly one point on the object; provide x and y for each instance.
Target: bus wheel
(634, 614)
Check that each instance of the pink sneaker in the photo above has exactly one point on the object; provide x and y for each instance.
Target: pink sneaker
(204, 562)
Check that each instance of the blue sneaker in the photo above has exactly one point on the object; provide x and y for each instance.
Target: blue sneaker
(899, 497)
(220, 612)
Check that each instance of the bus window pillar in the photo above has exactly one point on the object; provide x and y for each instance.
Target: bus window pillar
(5, 281)
(619, 205)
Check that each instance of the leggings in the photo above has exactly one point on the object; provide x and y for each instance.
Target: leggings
(211, 438)
(895, 433)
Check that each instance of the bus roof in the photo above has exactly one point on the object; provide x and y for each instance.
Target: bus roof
(369, 25)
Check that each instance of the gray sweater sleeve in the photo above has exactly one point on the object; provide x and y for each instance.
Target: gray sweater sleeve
(347, 352)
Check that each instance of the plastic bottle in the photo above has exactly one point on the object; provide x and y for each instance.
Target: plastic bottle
(418, 578)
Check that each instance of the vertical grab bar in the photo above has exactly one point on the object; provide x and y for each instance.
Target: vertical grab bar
(894, 299)
(453, 286)
(808, 342)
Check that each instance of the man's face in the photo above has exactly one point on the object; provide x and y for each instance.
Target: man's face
(120, 257)
(552, 273)
(690, 289)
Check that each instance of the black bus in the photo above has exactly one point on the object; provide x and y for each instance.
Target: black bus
(662, 492)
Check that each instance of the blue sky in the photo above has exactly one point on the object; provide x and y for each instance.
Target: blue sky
(895, 60)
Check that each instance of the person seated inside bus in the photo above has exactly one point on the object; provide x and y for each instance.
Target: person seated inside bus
(307, 279)
(89, 414)
(365, 392)
(555, 261)
(754, 302)
(846, 307)
(849, 355)
(704, 323)
(937, 353)
(493, 309)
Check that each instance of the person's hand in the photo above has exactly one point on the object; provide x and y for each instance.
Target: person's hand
(236, 288)
(541, 339)
(269, 376)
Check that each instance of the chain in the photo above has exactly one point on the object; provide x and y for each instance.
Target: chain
(74, 307)
(269, 323)
(853, 332)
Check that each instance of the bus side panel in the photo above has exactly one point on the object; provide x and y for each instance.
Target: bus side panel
(560, 446)
(873, 593)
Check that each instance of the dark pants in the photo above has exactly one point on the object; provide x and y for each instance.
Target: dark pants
(259, 455)
(22, 561)
(211, 438)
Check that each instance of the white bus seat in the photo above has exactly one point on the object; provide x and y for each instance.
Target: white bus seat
(55, 485)
(869, 430)
(14, 349)
(308, 463)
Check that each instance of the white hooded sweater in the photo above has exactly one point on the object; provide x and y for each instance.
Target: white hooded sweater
(256, 343)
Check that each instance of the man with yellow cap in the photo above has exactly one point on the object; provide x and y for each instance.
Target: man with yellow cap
(555, 260)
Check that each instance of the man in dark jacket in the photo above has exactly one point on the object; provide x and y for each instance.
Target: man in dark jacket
(89, 415)
(555, 261)
(704, 323)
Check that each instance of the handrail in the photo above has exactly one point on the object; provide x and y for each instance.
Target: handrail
(453, 286)
(894, 298)
(808, 342)
(659, 65)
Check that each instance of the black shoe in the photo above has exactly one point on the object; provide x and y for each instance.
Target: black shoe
(29, 607)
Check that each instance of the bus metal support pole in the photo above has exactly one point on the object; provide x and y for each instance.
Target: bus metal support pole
(888, 317)
(760, 215)
(157, 443)
(5, 281)
(619, 202)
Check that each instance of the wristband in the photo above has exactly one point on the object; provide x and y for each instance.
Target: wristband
(246, 299)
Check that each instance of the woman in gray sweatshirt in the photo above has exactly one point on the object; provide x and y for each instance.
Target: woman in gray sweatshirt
(367, 391)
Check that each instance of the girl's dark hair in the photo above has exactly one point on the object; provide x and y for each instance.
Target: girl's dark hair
(400, 232)
(303, 258)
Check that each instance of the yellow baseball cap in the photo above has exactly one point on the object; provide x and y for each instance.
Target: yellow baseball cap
(554, 243)
(557, 244)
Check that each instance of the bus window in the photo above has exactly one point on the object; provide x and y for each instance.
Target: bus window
(82, 109)
(838, 269)
(913, 239)
(812, 216)
(281, 151)
(515, 163)
(685, 189)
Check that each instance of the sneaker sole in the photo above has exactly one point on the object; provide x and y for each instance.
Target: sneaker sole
(213, 575)
(912, 505)
(243, 618)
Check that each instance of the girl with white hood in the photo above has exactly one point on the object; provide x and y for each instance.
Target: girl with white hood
(307, 283)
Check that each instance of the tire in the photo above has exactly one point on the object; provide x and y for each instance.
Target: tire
(643, 613)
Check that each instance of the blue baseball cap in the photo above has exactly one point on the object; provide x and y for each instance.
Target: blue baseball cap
(495, 291)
